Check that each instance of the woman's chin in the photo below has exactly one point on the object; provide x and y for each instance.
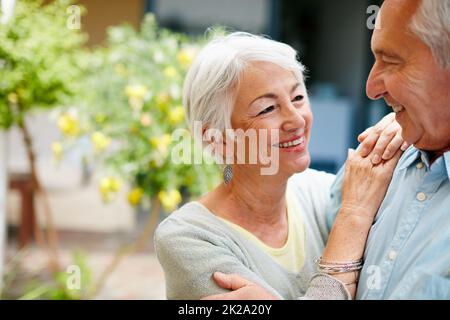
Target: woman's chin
(299, 164)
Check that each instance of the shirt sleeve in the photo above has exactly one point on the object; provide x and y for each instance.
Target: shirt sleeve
(325, 287)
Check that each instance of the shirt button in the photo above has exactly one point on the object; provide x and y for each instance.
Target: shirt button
(421, 196)
(392, 255)
(419, 165)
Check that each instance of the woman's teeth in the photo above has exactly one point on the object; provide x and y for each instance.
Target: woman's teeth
(398, 108)
(292, 143)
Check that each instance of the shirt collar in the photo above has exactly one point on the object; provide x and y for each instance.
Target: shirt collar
(447, 163)
(411, 155)
(408, 158)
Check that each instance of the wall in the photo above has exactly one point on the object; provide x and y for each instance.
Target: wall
(194, 16)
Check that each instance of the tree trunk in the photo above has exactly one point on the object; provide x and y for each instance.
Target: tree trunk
(51, 243)
(3, 192)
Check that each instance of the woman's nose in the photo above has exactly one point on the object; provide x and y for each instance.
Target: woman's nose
(375, 86)
(292, 118)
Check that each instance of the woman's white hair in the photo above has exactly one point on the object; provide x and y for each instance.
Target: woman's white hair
(209, 87)
(431, 23)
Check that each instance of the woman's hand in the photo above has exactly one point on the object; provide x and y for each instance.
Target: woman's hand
(383, 140)
(365, 184)
(363, 191)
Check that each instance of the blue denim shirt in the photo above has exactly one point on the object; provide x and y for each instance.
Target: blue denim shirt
(407, 254)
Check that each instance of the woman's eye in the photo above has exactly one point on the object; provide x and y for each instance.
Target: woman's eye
(267, 110)
(298, 98)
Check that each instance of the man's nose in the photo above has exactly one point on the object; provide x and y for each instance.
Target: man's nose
(375, 86)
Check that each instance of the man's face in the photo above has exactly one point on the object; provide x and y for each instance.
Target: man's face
(410, 80)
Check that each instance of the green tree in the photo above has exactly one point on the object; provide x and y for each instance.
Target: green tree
(39, 68)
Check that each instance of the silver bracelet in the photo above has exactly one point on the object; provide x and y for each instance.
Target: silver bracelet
(338, 267)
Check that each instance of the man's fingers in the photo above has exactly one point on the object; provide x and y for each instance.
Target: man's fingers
(392, 163)
(405, 146)
(387, 120)
(364, 134)
(395, 144)
(370, 136)
(233, 295)
(368, 144)
(230, 281)
(385, 138)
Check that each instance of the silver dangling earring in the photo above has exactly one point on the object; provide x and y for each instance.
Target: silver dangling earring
(227, 174)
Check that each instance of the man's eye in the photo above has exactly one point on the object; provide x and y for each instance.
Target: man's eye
(267, 110)
(298, 98)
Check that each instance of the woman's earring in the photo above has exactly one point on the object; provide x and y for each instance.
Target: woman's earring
(227, 174)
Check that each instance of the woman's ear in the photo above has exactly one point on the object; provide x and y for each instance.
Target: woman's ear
(215, 141)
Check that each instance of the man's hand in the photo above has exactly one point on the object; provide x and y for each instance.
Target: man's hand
(383, 140)
(241, 289)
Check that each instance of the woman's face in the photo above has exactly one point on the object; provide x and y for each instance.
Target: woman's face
(272, 98)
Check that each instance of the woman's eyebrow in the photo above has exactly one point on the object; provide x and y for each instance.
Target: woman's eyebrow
(295, 86)
(267, 95)
(273, 95)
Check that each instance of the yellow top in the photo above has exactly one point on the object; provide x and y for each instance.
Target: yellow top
(292, 255)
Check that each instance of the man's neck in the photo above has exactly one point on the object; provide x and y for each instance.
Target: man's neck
(434, 155)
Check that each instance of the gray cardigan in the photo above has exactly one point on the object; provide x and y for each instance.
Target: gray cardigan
(192, 243)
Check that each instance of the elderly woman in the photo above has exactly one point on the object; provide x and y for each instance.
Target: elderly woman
(268, 228)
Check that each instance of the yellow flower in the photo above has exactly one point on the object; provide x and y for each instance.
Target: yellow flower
(170, 72)
(176, 115)
(100, 141)
(100, 118)
(185, 57)
(169, 199)
(162, 101)
(135, 196)
(68, 125)
(137, 91)
(146, 119)
(134, 129)
(57, 150)
(161, 143)
(108, 187)
(120, 69)
(12, 98)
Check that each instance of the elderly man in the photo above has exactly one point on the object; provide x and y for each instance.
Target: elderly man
(408, 249)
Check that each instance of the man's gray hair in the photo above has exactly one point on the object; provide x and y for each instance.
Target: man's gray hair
(209, 87)
(431, 23)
